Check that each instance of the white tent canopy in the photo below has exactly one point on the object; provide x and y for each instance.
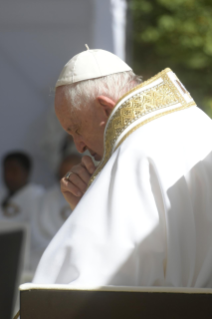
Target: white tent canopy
(36, 39)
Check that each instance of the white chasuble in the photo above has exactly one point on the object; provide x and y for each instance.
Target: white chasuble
(54, 210)
(146, 218)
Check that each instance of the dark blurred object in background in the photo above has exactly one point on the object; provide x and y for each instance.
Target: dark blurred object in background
(10, 241)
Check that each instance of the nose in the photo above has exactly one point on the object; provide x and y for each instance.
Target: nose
(80, 145)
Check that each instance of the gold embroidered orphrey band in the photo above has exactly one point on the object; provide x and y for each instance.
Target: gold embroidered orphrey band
(17, 315)
(143, 107)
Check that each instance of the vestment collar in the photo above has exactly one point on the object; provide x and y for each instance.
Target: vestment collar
(159, 96)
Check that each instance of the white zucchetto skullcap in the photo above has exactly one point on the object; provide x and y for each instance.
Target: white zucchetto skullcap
(91, 64)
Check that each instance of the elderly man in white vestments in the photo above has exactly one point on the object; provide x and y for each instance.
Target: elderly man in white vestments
(143, 217)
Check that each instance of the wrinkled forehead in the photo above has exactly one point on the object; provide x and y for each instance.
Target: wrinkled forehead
(62, 103)
(65, 112)
(61, 99)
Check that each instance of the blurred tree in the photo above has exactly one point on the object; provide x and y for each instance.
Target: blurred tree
(175, 34)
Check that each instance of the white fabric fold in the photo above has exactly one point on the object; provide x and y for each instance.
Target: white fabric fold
(146, 219)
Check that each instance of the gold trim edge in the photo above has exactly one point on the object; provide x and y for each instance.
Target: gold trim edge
(162, 95)
(152, 119)
(17, 315)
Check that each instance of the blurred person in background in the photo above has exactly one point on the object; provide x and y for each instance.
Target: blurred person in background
(20, 198)
(54, 210)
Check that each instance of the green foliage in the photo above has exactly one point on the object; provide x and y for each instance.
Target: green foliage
(175, 34)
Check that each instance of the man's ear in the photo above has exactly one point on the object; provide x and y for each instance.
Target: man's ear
(107, 104)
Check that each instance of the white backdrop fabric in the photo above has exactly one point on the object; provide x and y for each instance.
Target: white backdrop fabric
(36, 39)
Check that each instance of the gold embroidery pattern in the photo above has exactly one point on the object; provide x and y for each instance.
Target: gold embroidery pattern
(152, 119)
(17, 315)
(158, 97)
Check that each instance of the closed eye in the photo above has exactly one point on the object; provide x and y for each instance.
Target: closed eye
(77, 132)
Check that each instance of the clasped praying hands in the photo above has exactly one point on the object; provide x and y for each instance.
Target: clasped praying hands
(74, 183)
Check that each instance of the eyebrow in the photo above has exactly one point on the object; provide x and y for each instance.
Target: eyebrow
(72, 128)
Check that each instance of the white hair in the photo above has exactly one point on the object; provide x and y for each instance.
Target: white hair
(113, 86)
